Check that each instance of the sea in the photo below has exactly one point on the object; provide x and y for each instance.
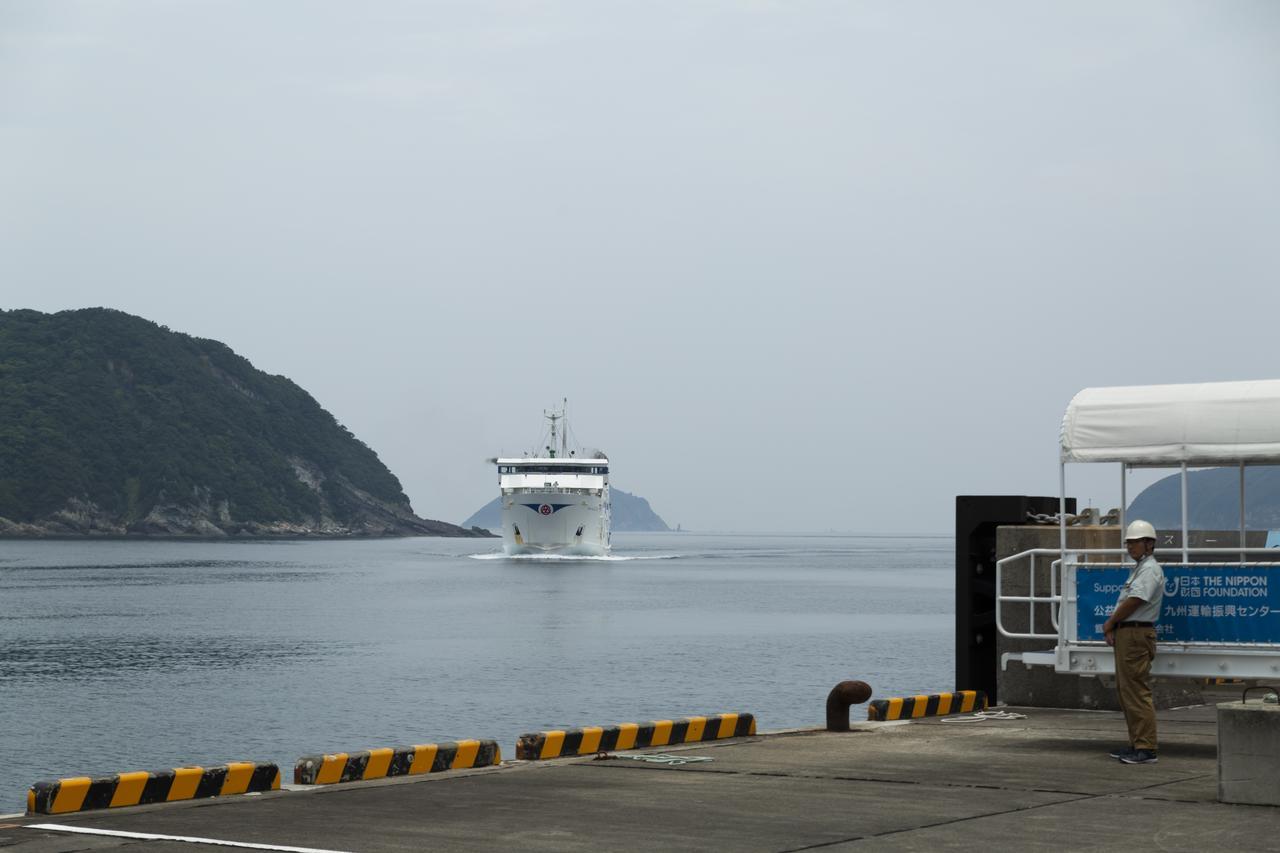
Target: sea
(125, 655)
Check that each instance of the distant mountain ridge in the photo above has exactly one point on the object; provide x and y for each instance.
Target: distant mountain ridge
(631, 514)
(113, 425)
(1213, 500)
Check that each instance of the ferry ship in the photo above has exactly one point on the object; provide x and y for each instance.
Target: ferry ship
(556, 503)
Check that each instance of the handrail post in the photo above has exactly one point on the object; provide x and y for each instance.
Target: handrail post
(1032, 593)
(1055, 612)
(1242, 527)
(1185, 532)
(1124, 498)
(1062, 507)
(999, 589)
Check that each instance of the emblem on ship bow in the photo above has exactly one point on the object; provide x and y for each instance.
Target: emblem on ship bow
(546, 509)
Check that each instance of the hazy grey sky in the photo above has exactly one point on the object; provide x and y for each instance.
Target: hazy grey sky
(796, 265)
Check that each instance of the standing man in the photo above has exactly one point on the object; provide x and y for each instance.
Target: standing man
(1132, 631)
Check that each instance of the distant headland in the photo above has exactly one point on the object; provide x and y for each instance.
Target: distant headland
(1213, 501)
(114, 426)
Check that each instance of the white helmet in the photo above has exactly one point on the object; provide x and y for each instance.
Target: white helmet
(1139, 530)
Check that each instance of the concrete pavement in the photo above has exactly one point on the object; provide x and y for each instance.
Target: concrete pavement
(1041, 783)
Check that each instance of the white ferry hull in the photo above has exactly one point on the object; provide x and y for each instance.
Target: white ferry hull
(555, 524)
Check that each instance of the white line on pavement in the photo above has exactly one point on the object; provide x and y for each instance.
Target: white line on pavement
(147, 836)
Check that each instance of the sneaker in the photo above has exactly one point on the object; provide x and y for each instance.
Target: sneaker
(1139, 756)
(1121, 751)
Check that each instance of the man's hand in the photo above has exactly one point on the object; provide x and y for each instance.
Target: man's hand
(1122, 612)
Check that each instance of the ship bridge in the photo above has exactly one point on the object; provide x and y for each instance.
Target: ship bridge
(553, 475)
(1220, 616)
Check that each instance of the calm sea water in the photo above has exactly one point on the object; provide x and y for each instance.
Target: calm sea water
(122, 656)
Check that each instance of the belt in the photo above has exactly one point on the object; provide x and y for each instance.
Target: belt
(1135, 624)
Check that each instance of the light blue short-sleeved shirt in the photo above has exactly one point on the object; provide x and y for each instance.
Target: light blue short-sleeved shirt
(1146, 581)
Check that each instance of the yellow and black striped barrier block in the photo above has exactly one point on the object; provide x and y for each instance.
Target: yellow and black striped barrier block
(395, 761)
(934, 705)
(592, 739)
(81, 793)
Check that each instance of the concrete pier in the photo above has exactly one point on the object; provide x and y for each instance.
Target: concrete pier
(1249, 753)
(1040, 783)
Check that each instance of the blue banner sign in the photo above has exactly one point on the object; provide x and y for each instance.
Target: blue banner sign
(1202, 604)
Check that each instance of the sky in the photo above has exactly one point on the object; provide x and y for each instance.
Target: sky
(797, 266)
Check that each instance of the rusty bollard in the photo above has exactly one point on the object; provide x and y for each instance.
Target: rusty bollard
(843, 695)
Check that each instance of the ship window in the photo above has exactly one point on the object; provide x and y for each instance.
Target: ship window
(555, 469)
(598, 470)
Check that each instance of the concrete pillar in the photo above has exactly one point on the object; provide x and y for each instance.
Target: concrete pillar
(1249, 753)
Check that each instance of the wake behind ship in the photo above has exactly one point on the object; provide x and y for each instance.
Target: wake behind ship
(556, 503)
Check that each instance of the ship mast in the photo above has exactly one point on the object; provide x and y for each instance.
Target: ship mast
(564, 436)
(554, 417)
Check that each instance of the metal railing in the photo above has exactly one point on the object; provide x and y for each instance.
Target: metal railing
(1054, 599)
(1031, 599)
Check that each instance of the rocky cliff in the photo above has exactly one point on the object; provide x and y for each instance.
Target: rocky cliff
(111, 425)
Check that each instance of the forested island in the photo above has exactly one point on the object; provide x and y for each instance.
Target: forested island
(111, 425)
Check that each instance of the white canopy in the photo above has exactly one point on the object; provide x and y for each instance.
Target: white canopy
(1212, 423)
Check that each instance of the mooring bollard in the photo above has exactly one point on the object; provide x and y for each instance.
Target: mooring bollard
(843, 695)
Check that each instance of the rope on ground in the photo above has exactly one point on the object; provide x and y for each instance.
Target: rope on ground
(986, 715)
(663, 758)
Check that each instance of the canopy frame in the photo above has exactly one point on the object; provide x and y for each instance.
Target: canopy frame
(1212, 424)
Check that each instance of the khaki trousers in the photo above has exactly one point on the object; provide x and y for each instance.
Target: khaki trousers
(1135, 649)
